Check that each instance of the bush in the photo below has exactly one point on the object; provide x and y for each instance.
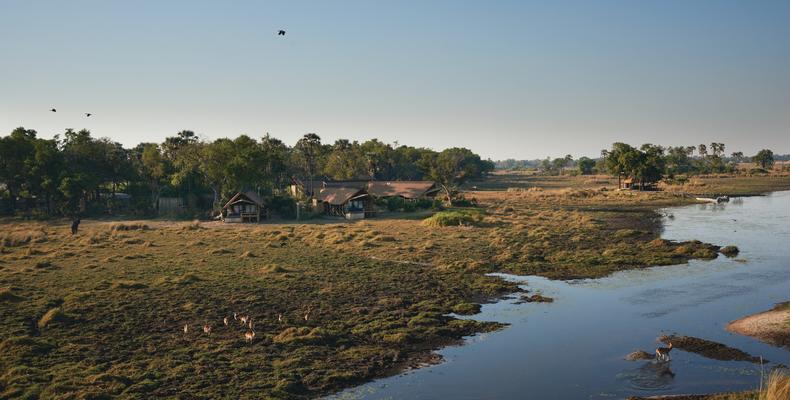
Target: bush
(454, 218)
(283, 206)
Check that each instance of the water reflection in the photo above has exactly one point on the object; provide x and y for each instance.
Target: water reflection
(650, 376)
(574, 348)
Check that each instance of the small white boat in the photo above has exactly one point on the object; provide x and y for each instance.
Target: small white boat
(719, 199)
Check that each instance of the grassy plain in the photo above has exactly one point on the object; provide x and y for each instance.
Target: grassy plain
(101, 314)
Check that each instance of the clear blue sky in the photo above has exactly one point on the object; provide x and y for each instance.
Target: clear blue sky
(505, 78)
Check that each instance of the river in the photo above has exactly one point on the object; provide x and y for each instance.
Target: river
(574, 348)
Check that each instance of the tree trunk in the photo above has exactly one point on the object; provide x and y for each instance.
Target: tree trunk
(216, 198)
(448, 193)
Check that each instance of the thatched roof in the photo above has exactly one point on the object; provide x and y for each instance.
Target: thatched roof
(405, 189)
(339, 195)
(357, 184)
(245, 197)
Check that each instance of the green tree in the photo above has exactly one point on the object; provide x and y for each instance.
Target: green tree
(46, 168)
(154, 170)
(621, 160)
(16, 150)
(346, 161)
(585, 165)
(308, 151)
(451, 168)
(764, 158)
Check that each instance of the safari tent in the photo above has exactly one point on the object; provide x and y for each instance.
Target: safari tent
(244, 206)
(346, 202)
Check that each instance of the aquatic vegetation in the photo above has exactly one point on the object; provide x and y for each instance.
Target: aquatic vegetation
(729, 251)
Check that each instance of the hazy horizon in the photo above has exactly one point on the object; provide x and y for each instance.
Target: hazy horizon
(507, 79)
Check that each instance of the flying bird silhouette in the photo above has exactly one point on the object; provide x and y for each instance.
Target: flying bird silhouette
(53, 110)
(281, 33)
(88, 114)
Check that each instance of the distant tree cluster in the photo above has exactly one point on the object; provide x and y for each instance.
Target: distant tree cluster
(77, 173)
(650, 163)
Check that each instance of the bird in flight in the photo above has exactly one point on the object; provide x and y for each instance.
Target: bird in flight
(88, 114)
(281, 33)
(53, 110)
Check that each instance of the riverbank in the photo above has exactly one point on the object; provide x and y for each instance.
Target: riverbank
(336, 304)
(772, 326)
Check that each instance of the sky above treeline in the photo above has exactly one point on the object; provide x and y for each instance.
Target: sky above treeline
(507, 79)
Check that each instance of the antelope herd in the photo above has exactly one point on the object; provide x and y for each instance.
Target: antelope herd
(245, 321)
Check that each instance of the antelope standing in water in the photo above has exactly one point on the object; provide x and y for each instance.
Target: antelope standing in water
(207, 329)
(662, 353)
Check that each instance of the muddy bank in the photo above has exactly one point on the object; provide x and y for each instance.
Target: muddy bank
(709, 349)
(772, 327)
(722, 396)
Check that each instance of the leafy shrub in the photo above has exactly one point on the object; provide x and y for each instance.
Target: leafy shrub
(283, 206)
(454, 218)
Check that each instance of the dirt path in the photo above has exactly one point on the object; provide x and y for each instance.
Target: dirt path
(772, 327)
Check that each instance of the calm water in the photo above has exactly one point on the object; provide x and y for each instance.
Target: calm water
(573, 348)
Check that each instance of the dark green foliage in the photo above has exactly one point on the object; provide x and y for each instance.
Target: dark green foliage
(77, 174)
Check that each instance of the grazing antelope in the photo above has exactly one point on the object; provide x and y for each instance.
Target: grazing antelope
(250, 323)
(307, 314)
(207, 329)
(280, 318)
(249, 336)
(186, 328)
(662, 353)
(225, 321)
(234, 317)
(244, 319)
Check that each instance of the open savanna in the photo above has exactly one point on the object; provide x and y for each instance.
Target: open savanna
(102, 313)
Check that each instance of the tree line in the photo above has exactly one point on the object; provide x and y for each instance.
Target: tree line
(649, 163)
(78, 173)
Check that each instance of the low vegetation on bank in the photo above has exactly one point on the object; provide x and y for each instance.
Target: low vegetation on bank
(119, 308)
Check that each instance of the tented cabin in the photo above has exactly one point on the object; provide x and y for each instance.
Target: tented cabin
(633, 184)
(244, 207)
(346, 202)
(409, 190)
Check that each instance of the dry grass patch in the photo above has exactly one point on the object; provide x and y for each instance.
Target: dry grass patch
(19, 237)
(128, 226)
(7, 295)
(128, 284)
(53, 316)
